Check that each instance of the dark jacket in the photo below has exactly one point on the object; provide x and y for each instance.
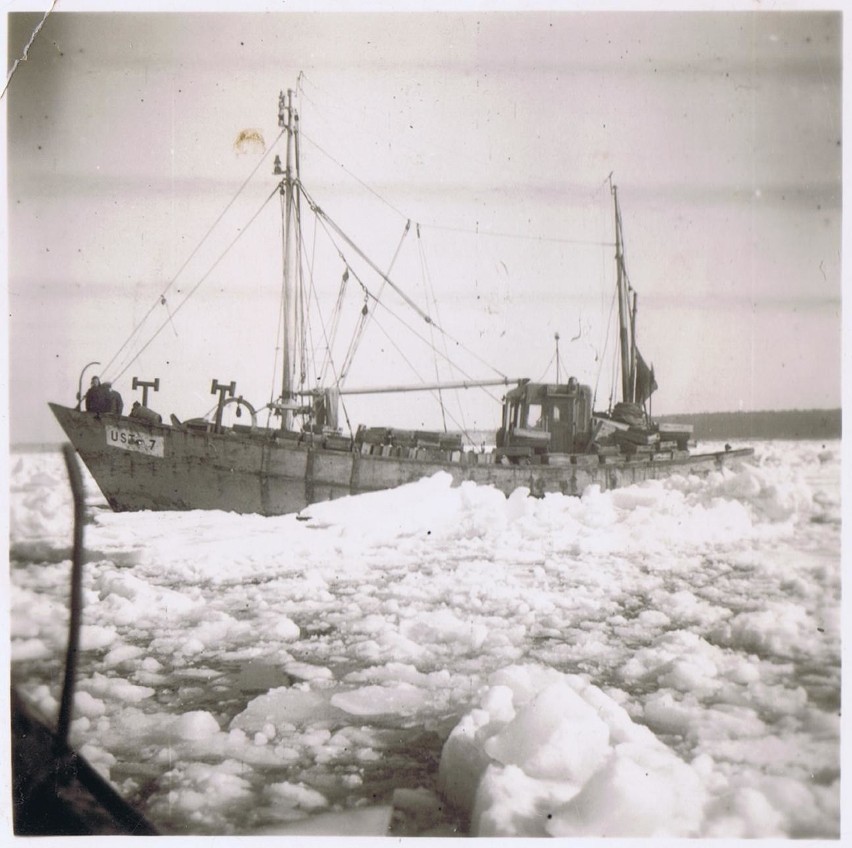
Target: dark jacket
(97, 398)
(104, 398)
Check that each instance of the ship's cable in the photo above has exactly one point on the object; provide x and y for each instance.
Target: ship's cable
(328, 363)
(547, 368)
(354, 176)
(435, 393)
(321, 213)
(424, 315)
(437, 351)
(161, 299)
(430, 292)
(606, 345)
(195, 288)
(520, 236)
(366, 312)
(337, 311)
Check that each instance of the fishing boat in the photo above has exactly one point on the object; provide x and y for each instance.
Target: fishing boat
(549, 437)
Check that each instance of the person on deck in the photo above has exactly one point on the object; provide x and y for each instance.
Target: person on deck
(97, 397)
(142, 413)
(116, 404)
(101, 397)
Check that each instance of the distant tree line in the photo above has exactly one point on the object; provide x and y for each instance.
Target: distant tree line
(787, 424)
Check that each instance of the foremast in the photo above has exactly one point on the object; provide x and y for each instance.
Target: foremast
(288, 121)
(294, 393)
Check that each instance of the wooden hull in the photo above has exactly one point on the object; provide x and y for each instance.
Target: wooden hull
(142, 466)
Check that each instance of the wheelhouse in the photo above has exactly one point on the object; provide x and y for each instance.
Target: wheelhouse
(543, 418)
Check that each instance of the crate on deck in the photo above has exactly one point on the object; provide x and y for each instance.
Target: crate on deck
(680, 434)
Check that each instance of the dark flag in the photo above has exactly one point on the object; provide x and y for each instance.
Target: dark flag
(646, 385)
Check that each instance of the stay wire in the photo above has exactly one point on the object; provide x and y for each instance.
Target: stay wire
(310, 263)
(547, 368)
(520, 236)
(347, 362)
(365, 319)
(326, 334)
(427, 285)
(339, 375)
(161, 299)
(195, 288)
(434, 226)
(335, 323)
(436, 350)
(355, 341)
(354, 176)
(606, 343)
(395, 287)
(435, 393)
(297, 198)
(319, 211)
(329, 363)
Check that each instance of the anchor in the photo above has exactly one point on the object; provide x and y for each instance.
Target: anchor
(224, 390)
(145, 385)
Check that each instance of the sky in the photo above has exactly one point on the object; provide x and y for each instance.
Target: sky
(722, 130)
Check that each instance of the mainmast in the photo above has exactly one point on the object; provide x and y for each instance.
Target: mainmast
(624, 310)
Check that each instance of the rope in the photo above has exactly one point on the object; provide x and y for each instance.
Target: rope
(544, 373)
(297, 202)
(366, 313)
(329, 363)
(427, 285)
(435, 393)
(606, 344)
(498, 234)
(342, 373)
(396, 288)
(279, 334)
(438, 352)
(320, 213)
(161, 300)
(357, 336)
(354, 176)
(309, 263)
(325, 334)
(335, 323)
(370, 295)
(198, 284)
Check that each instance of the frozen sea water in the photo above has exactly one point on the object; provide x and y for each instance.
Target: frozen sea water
(662, 660)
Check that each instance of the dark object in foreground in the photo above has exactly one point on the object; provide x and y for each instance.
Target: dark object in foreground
(56, 792)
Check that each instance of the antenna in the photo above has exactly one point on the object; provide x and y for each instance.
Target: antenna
(556, 337)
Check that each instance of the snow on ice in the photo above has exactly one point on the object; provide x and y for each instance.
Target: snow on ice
(662, 660)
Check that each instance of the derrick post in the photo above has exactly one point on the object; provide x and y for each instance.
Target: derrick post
(224, 390)
(145, 385)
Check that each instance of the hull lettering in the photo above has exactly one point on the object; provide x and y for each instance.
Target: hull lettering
(127, 439)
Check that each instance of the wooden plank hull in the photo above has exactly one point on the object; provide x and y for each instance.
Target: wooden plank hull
(143, 466)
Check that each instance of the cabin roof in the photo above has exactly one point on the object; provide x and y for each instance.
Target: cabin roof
(537, 392)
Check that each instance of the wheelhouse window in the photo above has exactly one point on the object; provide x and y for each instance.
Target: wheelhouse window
(535, 417)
